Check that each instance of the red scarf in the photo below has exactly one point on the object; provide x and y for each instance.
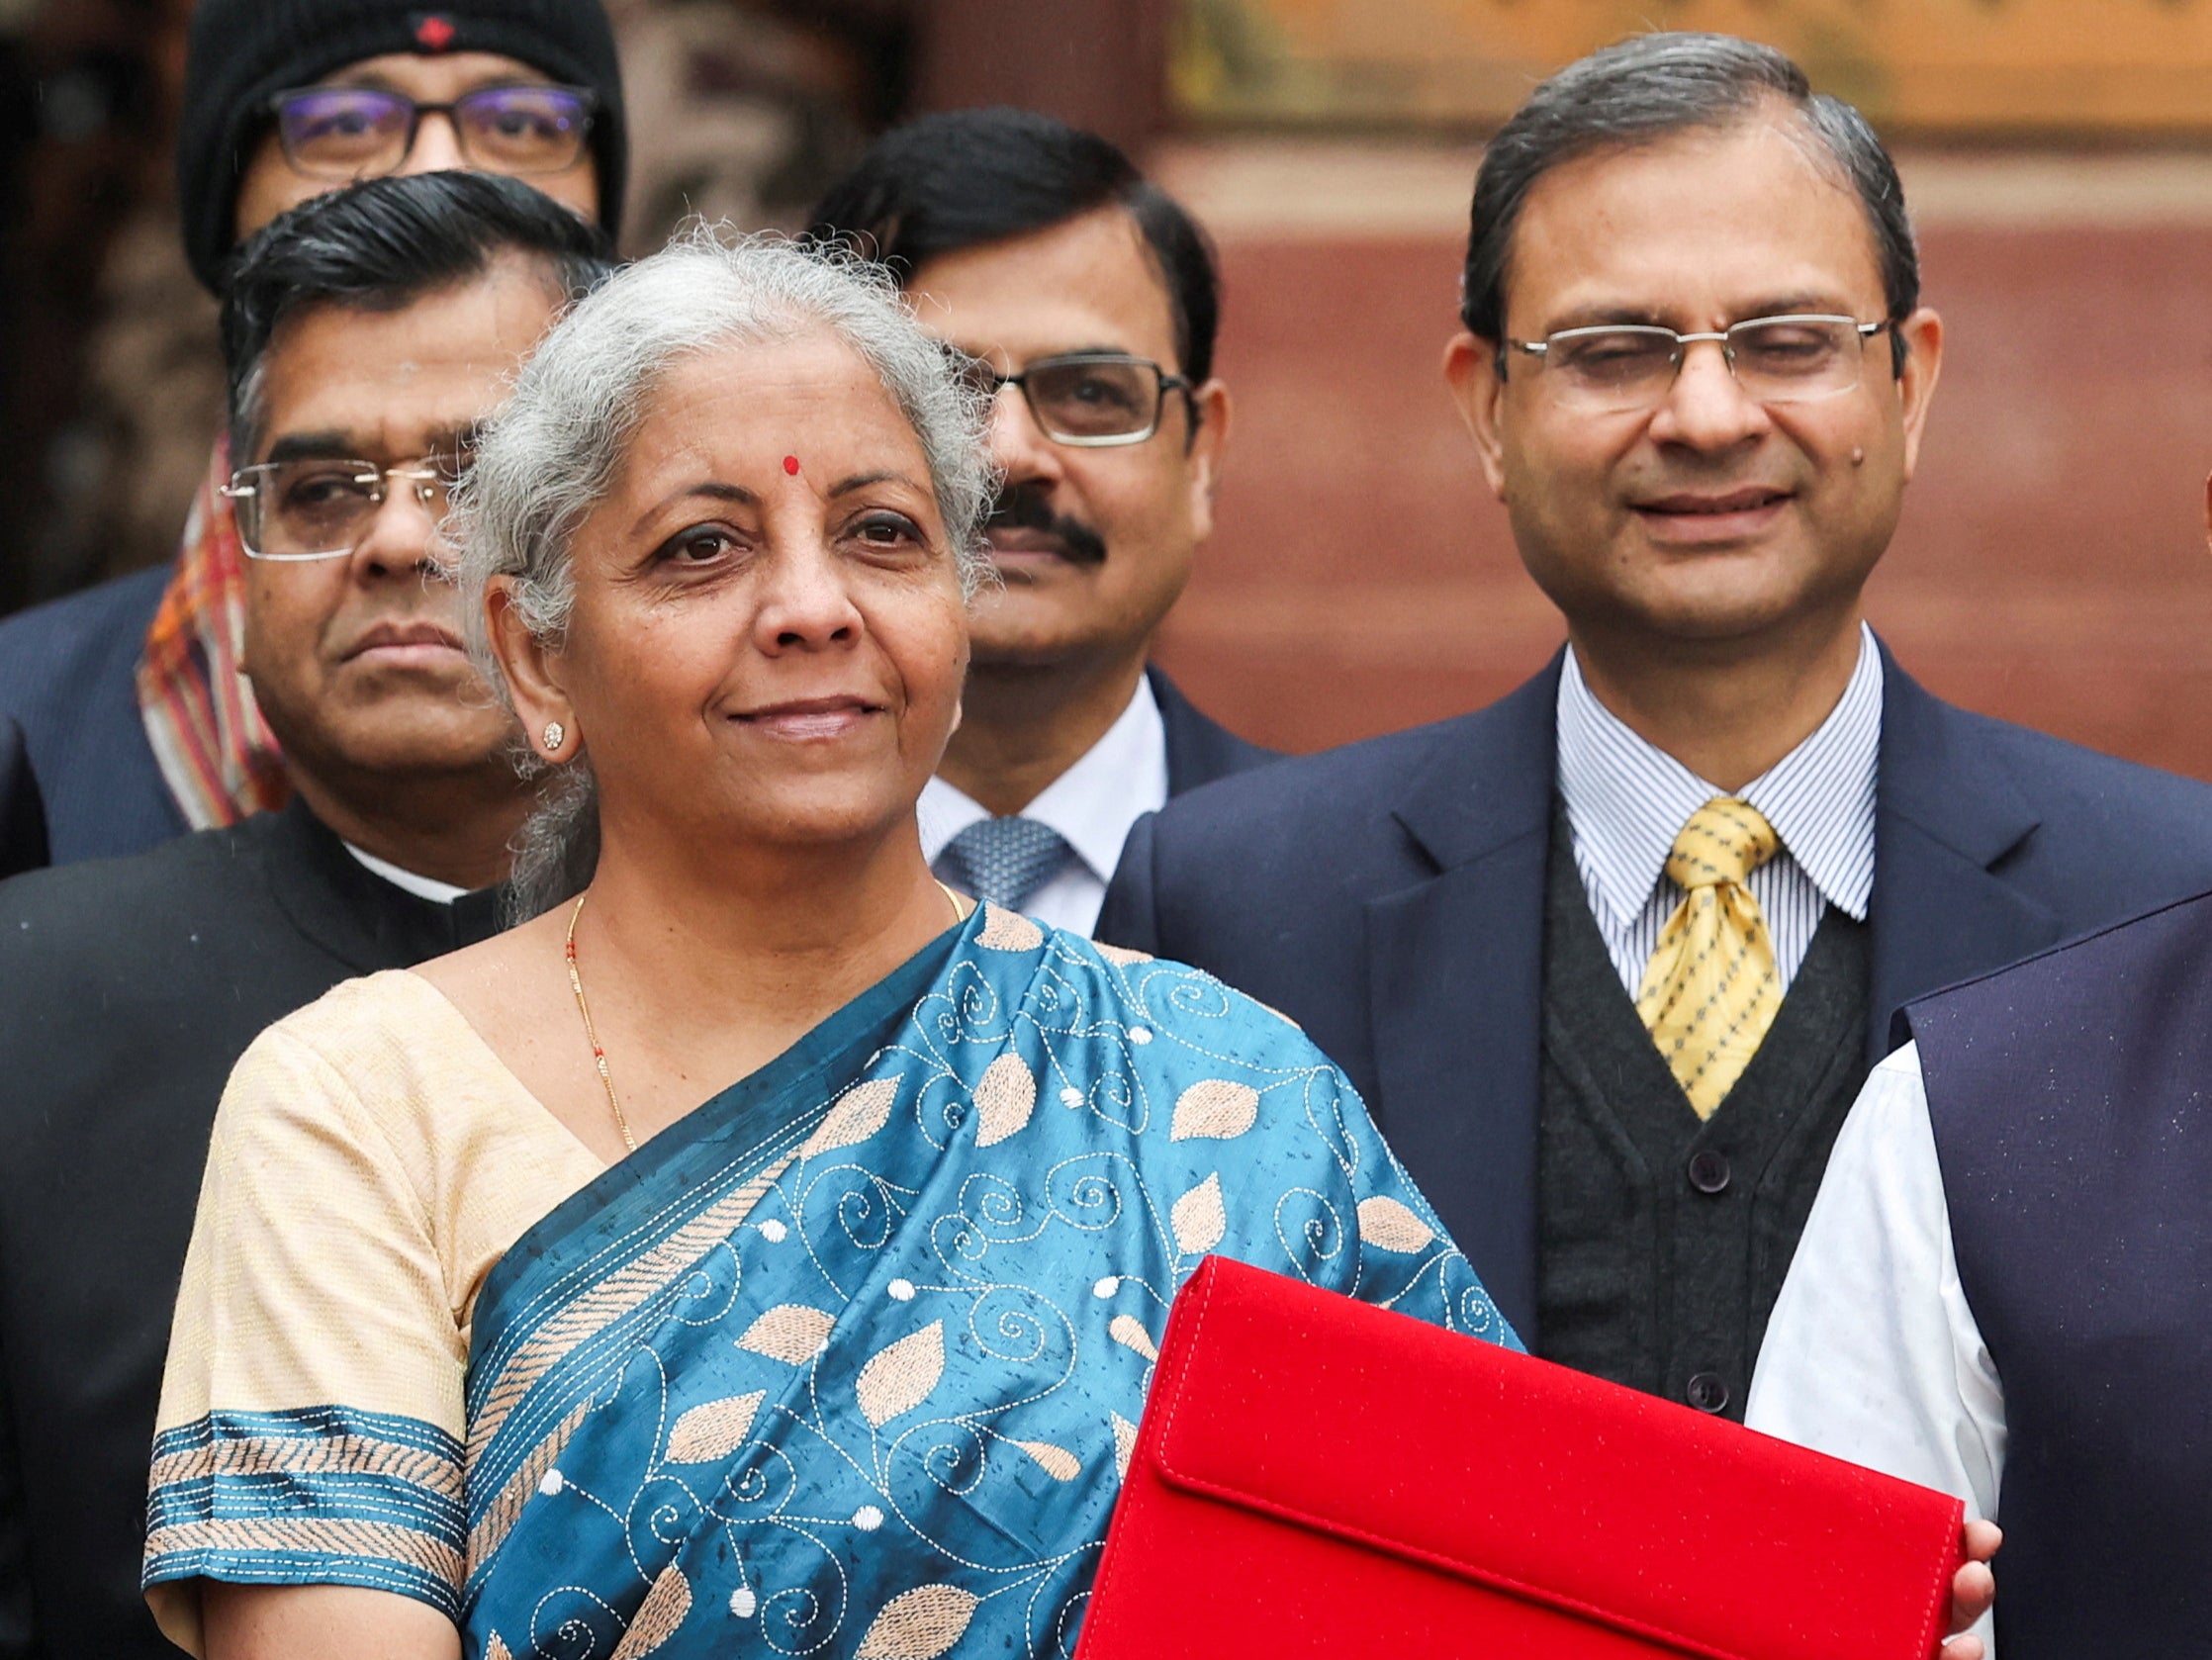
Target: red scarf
(216, 754)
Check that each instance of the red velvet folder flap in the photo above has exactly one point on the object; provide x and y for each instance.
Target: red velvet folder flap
(1317, 1476)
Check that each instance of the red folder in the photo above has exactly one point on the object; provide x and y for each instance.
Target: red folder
(1315, 1476)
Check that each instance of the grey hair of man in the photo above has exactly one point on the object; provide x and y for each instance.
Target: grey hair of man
(1653, 87)
(554, 450)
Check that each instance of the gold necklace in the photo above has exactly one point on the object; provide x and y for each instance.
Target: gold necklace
(590, 1034)
(950, 898)
(599, 1054)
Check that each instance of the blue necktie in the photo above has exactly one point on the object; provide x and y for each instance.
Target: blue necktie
(1003, 861)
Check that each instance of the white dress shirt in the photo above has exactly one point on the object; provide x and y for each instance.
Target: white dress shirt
(1093, 805)
(423, 887)
(1627, 799)
(1872, 1353)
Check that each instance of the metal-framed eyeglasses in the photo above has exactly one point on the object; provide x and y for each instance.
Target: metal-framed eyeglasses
(359, 131)
(1091, 399)
(309, 509)
(1620, 366)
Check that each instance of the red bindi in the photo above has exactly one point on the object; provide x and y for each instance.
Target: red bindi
(791, 465)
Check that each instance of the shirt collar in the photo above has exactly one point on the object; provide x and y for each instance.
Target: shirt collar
(1626, 798)
(423, 887)
(1093, 804)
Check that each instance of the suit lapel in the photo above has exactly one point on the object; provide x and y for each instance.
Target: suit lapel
(359, 918)
(1455, 962)
(1455, 973)
(1199, 748)
(23, 817)
(1945, 814)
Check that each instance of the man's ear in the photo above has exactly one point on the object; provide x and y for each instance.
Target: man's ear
(1922, 334)
(1472, 374)
(1210, 409)
(531, 671)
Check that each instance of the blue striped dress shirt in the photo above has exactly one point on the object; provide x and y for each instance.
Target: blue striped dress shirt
(1626, 801)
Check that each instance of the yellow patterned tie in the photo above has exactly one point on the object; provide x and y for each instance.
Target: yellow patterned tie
(1711, 991)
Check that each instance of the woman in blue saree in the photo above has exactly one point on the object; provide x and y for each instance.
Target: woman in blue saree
(493, 1340)
(877, 1390)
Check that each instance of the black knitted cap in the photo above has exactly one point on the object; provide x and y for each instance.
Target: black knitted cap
(239, 54)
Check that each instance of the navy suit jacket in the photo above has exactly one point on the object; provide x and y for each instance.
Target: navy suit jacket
(69, 681)
(1389, 897)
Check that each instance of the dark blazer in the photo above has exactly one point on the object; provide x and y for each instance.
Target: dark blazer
(1199, 749)
(69, 680)
(128, 988)
(2066, 1099)
(23, 815)
(1389, 896)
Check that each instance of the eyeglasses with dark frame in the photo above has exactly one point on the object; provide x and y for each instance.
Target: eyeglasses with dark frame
(1089, 399)
(1618, 366)
(308, 509)
(359, 131)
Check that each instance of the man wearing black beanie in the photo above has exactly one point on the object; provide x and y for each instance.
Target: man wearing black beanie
(233, 174)
(135, 718)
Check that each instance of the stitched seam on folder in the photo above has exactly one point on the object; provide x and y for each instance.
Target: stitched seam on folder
(1931, 1632)
(1399, 1547)
(1206, 1296)
(1190, 1360)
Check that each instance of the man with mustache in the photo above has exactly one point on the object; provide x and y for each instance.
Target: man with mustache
(1610, 958)
(1086, 300)
(366, 336)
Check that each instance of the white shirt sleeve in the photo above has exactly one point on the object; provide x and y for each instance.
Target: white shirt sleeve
(1872, 1353)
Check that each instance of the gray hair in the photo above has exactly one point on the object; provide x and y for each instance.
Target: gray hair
(1651, 87)
(553, 451)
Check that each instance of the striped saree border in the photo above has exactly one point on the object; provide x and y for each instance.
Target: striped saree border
(314, 1496)
(526, 1410)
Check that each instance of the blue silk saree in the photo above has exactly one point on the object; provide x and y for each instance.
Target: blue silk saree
(849, 1361)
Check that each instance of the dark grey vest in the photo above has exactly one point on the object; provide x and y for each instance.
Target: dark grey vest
(2072, 1104)
(1662, 1241)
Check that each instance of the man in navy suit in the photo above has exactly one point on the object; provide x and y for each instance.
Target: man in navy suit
(1083, 300)
(1610, 958)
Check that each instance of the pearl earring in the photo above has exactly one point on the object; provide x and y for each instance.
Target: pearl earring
(555, 736)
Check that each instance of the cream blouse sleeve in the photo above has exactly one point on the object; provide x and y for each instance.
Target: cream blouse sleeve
(311, 1414)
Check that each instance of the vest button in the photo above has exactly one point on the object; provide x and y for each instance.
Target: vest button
(1709, 1172)
(1708, 1393)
